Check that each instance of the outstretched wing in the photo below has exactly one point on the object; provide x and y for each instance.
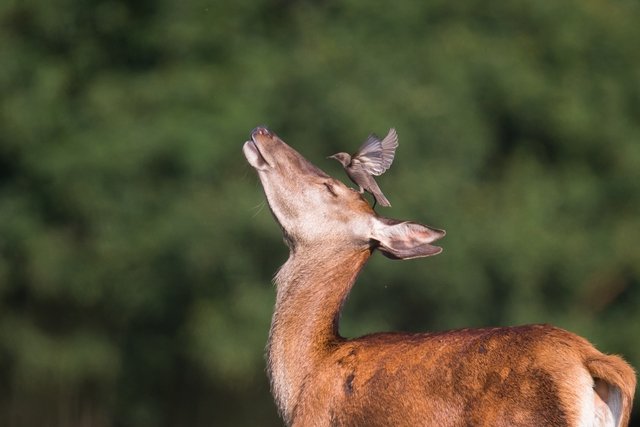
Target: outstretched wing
(375, 156)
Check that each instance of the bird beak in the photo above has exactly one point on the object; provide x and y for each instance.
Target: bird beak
(331, 157)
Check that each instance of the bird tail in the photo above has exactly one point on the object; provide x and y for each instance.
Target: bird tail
(381, 199)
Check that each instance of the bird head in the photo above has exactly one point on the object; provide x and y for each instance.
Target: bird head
(343, 158)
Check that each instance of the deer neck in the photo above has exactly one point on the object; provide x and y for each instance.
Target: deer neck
(311, 289)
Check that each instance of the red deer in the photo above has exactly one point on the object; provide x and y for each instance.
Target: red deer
(534, 375)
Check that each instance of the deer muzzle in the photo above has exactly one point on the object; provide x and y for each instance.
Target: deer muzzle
(251, 148)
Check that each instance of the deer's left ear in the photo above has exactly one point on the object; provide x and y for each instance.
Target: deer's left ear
(405, 239)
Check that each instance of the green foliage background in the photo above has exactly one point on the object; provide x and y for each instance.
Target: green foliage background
(135, 247)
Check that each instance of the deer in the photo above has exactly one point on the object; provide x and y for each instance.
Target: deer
(531, 375)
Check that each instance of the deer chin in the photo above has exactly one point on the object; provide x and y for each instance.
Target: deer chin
(254, 157)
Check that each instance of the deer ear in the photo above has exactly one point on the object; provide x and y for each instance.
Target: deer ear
(405, 239)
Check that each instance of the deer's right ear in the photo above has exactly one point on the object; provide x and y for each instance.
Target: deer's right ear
(405, 239)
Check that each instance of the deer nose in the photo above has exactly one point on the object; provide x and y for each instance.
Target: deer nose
(261, 131)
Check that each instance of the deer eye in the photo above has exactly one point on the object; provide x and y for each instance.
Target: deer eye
(331, 189)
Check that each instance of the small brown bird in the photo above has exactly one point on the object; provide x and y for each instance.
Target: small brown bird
(373, 158)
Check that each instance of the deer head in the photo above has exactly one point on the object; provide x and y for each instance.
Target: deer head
(314, 209)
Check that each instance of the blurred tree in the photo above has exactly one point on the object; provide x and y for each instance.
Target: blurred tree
(135, 246)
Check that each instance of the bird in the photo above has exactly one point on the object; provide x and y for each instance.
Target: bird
(373, 158)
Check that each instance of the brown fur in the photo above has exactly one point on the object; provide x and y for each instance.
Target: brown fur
(513, 376)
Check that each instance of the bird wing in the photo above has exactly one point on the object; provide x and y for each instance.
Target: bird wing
(375, 156)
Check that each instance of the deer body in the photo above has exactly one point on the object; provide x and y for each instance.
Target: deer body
(532, 375)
